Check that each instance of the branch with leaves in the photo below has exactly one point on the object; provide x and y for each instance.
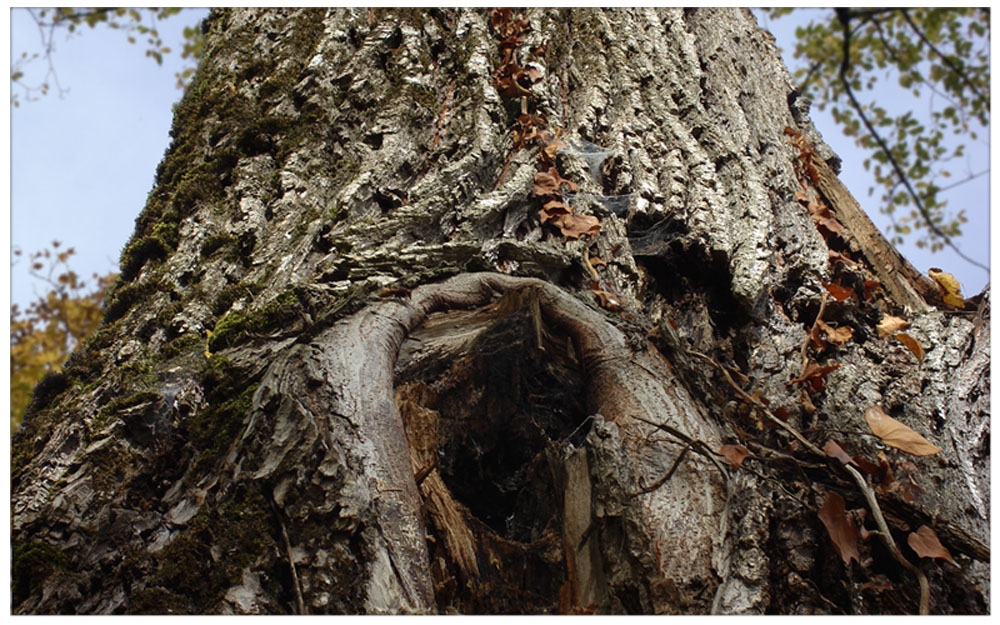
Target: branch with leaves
(943, 52)
(43, 335)
(135, 23)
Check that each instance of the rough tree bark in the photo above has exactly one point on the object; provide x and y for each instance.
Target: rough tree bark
(346, 368)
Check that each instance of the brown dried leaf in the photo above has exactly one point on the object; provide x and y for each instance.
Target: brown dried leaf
(533, 74)
(548, 154)
(735, 454)
(549, 181)
(838, 291)
(823, 216)
(607, 300)
(837, 336)
(926, 544)
(866, 465)
(532, 120)
(870, 287)
(815, 376)
(912, 344)
(553, 208)
(575, 226)
(837, 256)
(890, 325)
(834, 450)
(897, 435)
(950, 289)
(596, 261)
(843, 533)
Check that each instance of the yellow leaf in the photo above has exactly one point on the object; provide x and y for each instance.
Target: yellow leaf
(951, 291)
(890, 325)
(895, 434)
(912, 344)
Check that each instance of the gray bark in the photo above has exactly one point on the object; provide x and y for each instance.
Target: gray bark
(346, 369)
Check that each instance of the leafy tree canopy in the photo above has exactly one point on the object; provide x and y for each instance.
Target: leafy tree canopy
(942, 56)
(43, 336)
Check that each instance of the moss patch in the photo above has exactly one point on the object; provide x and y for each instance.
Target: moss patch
(211, 554)
(32, 563)
(238, 327)
(125, 295)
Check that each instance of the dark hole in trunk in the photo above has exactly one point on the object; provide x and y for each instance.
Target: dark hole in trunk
(505, 410)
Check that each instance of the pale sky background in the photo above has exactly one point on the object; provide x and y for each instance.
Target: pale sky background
(83, 164)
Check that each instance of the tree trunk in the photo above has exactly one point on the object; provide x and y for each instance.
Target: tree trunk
(347, 368)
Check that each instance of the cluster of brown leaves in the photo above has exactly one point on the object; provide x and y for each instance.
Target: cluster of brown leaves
(515, 81)
(845, 528)
(894, 434)
(806, 154)
(512, 79)
(890, 327)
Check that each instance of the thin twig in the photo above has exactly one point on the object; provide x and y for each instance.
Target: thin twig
(760, 406)
(660, 482)
(947, 61)
(291, 561)
(698, 446)
(886, 536)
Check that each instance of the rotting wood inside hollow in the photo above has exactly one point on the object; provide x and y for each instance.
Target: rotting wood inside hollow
(493, 402)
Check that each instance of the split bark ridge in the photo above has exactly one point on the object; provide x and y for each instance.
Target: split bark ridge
(347, 369)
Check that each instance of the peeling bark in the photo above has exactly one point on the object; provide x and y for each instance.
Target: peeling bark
(364, 378)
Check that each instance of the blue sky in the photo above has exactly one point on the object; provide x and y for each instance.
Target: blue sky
(83, 164)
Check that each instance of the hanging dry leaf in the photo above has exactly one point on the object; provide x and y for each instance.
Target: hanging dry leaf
(838, 256)
(735, 454)
(870, 287)
(837, 336)
(834, 450)
(838, 291)
(866, 466)
(596, 261)
(825, 220)
(890, 325)
(815, 376)
(607, 300)
(925, 543)
(575, 226)
(951, 291)
(548, 154)
(912, 344)
(549, 181)
(897, 435)
(842, 531)
(553, 208)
